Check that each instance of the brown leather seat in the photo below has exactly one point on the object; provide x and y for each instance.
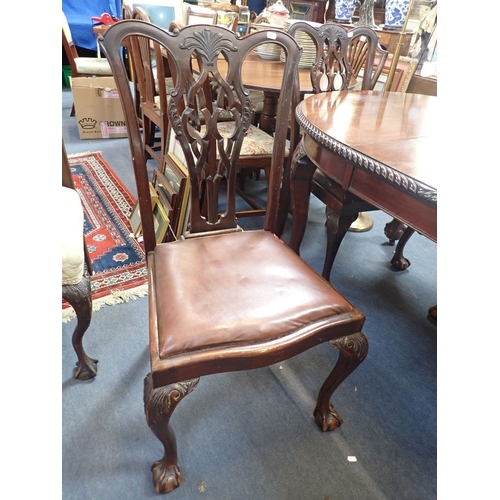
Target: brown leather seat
(255, 312)
(222, 299)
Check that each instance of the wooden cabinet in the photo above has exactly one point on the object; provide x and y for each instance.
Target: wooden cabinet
(422, 85)
(309, 10)
(390, 38)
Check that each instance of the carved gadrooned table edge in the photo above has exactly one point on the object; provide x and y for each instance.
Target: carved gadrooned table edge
(394, 176)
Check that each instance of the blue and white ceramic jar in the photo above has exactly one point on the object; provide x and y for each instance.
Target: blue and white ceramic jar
(395, 13)
(344, 9)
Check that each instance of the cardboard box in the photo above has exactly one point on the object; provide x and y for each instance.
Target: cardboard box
(98, 110)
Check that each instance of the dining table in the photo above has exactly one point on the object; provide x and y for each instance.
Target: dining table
(375, 146)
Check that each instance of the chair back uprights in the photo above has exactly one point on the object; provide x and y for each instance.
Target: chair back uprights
(201, 94)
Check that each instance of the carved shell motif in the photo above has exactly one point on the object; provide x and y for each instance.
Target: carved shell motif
(208, 44)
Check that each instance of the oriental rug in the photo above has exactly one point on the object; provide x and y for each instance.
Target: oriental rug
(118, 259)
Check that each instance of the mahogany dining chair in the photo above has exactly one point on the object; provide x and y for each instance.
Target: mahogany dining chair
(76, 269)
(81, 66)
(341, 54)
(222, 299)
(152, 82)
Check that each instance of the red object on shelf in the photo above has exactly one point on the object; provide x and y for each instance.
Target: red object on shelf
(106, 19)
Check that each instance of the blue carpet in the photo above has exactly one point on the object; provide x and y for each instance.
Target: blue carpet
(251, 435)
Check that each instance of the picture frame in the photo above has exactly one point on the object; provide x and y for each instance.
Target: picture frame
(175, 150)
(135, 220)
(135, 216)
(402, 76)
(161, 223)
(173, 167)
(167, 197)
(175, 157)
(164, 187)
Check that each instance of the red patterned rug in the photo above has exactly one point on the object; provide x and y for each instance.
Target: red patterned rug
(118, 260)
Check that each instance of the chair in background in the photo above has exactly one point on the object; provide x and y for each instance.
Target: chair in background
(336, 50)
(76, 269)
(228, 15)
(199, 15)
(152, 82)
(220, 14)
(81, 66)
(256, 96)
(359, 47)
(222, 299)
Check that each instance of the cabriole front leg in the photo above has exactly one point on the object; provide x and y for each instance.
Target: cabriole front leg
(399, 261)
(302, 172)
(79, 296)
(352, 352)
(336, 229)
(159, 404)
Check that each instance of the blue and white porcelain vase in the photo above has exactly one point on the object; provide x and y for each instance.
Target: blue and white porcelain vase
(344, 9)
(395, 13)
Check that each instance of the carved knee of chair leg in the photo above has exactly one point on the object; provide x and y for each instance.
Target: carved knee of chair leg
(76, 277)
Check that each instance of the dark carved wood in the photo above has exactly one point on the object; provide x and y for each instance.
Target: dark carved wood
(394, 230)
(375, 167)
(336, 227)
(79, 297)
(341, 54)
(368, 176)
(399, 261)
(301, 173)
(433, 312)
(235, 318)
(352, 352)
(159, 404)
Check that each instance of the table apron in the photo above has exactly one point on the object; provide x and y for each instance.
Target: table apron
(376, 190)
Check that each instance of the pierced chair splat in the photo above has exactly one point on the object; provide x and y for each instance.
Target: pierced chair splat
(255, 302)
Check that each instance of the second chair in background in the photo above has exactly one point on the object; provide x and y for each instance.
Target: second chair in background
(341, 56)
(81, 66)
(152, 81)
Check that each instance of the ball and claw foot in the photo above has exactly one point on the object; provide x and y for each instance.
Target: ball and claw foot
(165, 479)
(86, 369)
(400, 263)
(329, 420)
